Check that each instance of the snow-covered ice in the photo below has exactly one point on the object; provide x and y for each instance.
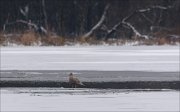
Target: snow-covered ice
(60, 99)
(109, 58)
(102, 58)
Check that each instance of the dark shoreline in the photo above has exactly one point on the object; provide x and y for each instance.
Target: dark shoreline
(100, 85)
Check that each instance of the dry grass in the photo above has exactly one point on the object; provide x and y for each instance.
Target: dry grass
(89, 40)
(162, 41)
(161, 37)
(165, 37)
(31, 38)
(81, 40)
(2, 39)
(28, 38)
(53, 40)
(116, 41)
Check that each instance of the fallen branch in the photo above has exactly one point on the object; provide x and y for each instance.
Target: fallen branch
(146, 18)
(99, 24)
(37, 28)
(137, 34)
(111, 31)
(141, 12)
(30, 24)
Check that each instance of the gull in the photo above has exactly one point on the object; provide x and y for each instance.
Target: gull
(74, 81)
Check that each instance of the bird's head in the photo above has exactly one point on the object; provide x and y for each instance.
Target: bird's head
(71, 74)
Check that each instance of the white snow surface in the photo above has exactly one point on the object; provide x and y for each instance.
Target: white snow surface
(54, 100)
(106, 58)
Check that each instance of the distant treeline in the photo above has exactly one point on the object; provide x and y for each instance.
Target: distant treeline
(73, 18)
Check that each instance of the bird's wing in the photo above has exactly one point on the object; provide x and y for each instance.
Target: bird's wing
(77, 80)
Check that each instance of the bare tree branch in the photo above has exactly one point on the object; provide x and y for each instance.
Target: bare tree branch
(37, 28)
(111, 31)
(129, 16)
(138, 34)
(99, 24)
(146, 18)
(154, 7)
(25, 11)
(30, 24)
(141, 12)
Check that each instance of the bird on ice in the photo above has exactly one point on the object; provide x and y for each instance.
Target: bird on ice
(74, 81)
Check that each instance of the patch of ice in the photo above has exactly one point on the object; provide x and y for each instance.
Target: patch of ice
(108, 58)
(120, 101)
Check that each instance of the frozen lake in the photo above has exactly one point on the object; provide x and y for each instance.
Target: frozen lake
(107, 58)
(61, 99)
(159, 63)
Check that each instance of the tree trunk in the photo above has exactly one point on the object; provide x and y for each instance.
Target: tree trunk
(45, 14)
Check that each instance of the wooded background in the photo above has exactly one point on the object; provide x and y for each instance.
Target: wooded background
(74, 18)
